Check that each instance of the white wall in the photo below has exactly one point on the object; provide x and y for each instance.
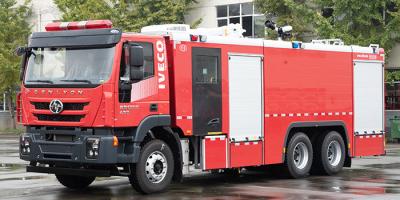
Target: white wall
(43, 12)
(207, 11)
(393, 60)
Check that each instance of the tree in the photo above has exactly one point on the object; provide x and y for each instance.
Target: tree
(130, 15)
(357, 22)
(297, 13)
(14, 32)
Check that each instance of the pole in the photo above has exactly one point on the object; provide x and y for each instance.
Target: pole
(4, 102)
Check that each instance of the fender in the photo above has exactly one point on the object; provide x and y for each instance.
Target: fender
(178, 176)
(316, 124)
(148, 123)
(158, 121)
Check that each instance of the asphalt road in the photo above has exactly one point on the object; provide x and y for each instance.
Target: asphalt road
(369, 178)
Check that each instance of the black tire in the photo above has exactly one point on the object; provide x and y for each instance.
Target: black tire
(75, 182)
(231, 172)
(139, 178)
(329, 165)
(297, 167)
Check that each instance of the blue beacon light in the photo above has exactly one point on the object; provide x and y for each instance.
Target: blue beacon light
(296, 45)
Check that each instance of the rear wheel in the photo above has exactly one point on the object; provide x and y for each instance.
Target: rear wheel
(299, 155)
(154, 170)
(75, 182)
(330, 154)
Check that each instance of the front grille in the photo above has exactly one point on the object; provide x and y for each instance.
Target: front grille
(41, 105)
(67, 106)
(62, 118)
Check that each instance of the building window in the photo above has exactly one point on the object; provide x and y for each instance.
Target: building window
(392, 96)
(245, 14)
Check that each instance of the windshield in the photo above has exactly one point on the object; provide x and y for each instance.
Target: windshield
(69, 66)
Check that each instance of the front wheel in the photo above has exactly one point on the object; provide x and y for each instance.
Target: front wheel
(75, 182)
(154, 170)
(299, 155)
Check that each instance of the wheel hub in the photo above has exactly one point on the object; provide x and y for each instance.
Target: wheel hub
(334, 153)
(156, 167)
(300, 155)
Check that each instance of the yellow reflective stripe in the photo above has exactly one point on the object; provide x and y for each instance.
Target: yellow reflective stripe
(214, 133)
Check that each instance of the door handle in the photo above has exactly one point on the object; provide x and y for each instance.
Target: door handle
(213, 121)
(153, 107)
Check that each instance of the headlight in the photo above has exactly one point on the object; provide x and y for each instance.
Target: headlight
(25, 145)
(92, 148)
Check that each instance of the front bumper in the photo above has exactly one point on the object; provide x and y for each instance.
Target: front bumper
(69, 171)
(46, 147)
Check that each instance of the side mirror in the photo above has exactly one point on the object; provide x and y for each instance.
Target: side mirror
(136, 58)
(21, 51)
(136, 61)
(22, 67)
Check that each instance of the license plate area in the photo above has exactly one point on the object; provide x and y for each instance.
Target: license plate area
(59, 138)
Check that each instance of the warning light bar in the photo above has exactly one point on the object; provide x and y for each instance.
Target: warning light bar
(195, 38)
(92, 24)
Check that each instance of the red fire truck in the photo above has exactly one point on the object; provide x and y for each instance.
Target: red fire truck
(169, 101)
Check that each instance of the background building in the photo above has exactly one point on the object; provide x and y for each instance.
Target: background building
(215, 13)
(43, 12)
(392, 95)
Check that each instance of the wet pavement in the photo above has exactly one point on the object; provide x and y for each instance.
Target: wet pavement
(369, 178)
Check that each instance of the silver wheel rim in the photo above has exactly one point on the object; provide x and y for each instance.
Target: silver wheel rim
(300, 155)
(156, 167)
(334, 153)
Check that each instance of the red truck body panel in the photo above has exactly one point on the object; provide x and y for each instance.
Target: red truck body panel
(299, 86)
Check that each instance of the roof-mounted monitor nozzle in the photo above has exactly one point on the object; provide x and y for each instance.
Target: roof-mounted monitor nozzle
(283, 32)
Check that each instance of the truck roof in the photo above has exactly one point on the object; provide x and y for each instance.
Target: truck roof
(232, 35)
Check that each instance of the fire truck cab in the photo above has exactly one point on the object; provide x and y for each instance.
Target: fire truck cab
(166, 102)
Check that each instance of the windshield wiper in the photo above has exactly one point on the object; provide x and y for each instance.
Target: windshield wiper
(76, 80)
(41, 81)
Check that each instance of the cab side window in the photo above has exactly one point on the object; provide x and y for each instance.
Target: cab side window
(148, 66)
(147, 69)
(148, 54)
